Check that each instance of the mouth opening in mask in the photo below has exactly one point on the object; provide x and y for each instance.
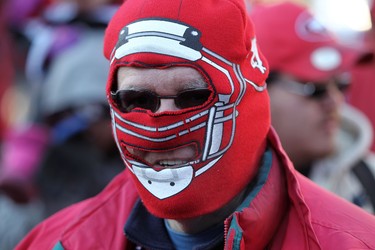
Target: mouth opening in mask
(165, 158)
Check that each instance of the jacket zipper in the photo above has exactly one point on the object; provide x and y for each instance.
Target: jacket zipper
(226, 229)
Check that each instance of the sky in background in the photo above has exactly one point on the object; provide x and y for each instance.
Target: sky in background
(347, 18)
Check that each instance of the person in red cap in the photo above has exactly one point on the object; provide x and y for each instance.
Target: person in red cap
(326, 139)
(204, 169)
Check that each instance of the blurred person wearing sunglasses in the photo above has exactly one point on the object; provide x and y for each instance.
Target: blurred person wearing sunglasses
(326, 139)
(204, 169)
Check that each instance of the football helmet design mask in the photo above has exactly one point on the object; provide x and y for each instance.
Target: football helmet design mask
(222, 167)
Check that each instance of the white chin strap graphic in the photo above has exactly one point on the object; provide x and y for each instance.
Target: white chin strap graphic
(167, 182)
(164, 183)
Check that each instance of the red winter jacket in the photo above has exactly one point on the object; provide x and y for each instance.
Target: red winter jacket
(284, 211)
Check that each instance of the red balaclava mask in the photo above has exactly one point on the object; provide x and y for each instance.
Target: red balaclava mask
(228, 131)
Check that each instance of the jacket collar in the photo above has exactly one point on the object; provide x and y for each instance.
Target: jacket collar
(148, 231)
(258, 218)
(296, 226)
(275, 211)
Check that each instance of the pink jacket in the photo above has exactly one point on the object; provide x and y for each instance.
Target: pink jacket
(286, 211)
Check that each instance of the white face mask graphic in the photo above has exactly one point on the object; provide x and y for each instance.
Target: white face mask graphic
(166, 182)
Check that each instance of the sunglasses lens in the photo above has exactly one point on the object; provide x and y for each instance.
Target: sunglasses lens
(319, 92)
(192, 98)
(127, 100)
(342, 86)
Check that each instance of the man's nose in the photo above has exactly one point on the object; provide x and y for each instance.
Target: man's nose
(334, 97)
(167, 105)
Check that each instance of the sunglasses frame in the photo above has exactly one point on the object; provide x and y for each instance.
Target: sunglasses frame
(117, 95)
(312, 90)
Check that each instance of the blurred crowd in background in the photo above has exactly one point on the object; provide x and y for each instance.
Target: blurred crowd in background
(56, 145)
(56, 139)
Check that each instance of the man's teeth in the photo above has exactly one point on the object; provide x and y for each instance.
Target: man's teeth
(171, 162)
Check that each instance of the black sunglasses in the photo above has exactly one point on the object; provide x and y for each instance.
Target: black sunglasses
(313, 90)
(127, 100)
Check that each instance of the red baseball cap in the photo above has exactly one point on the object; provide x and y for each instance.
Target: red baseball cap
(295, 43)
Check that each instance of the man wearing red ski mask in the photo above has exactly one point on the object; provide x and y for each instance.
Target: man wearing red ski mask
(204, 170)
